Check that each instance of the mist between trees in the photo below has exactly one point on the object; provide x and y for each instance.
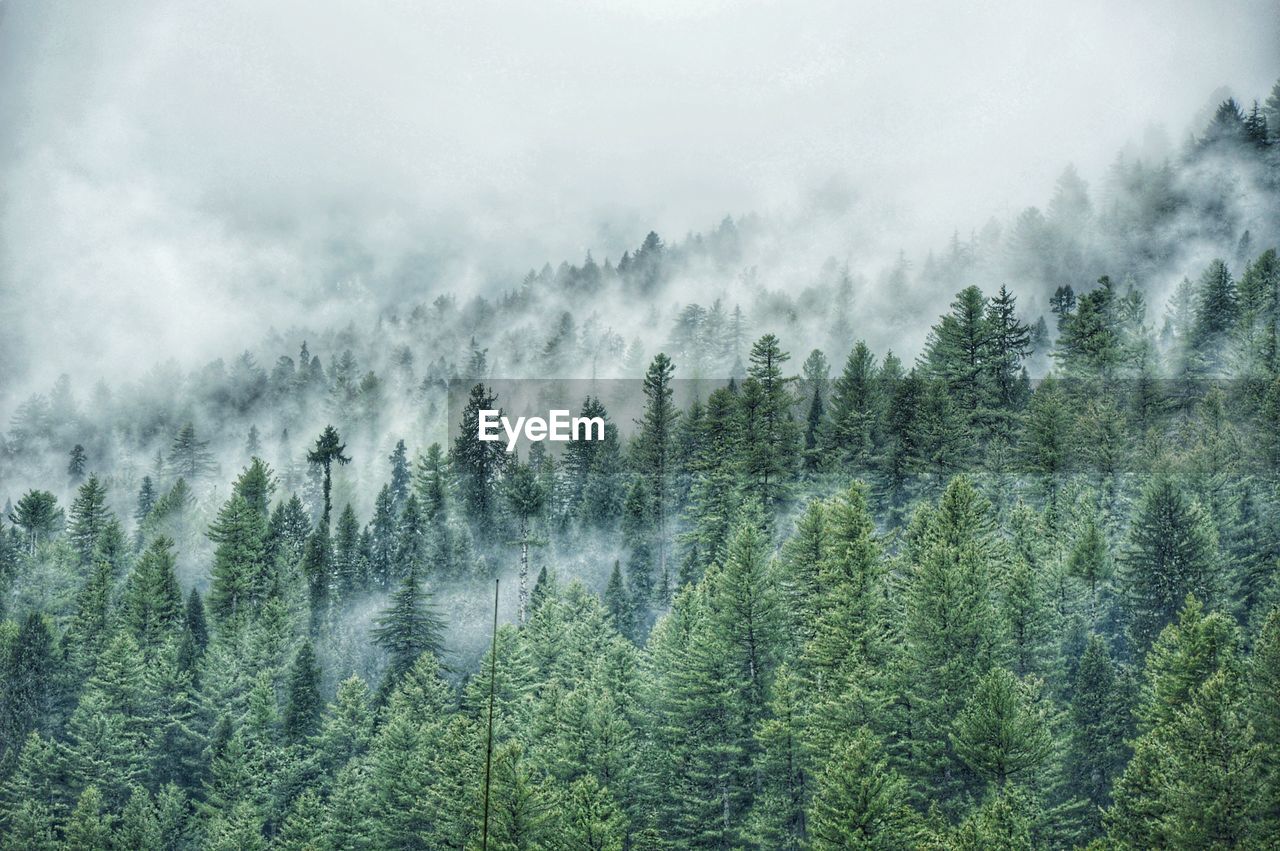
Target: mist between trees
(839, 598)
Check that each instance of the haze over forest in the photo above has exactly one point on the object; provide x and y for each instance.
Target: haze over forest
(180, 179)
(938, 504)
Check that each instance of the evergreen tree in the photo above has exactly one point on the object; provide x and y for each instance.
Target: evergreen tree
(139, 827)
(407, 629)
(189, 457)
(153, 602)
(854, 403)
(1096, 750)
(478, 464)
(957, 350)
(591, 819)
(37, 514)
(770, 438)
(1008, 344)
(240, 560)
(328, 451)
(28, 678)
(256, 484)
(401, 476)
(618, 602)
(302, 709)
(146, 501)
(348, 558)
(654, 449)
(951, 633)
(89, 829)
(1215, 316)
(382, 539)
(1004, 729)
(89, 518)
(859, 802)
(1264, 710)
(1172, 552)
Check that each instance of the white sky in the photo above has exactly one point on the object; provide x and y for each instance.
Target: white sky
(173, 174)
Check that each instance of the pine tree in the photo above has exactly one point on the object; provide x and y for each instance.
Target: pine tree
(252, 442)
(240, 560)
(951, 632)
(431, 483)
(401, 475)
(407, 629)
(1096, 750)
(303, 828)
(842, 663)
(303, 706)
(29, 828)
(653, 449)
(860, 800)
(348, 559)
(619, 603)
(521, 808)
(1003, 731)
(591, 819)
(189, 457)
(715, 490)
(153, 607)
(89, 829)
(1006, 820)
(89, 518)
(139, 827)
(903, 441)
(28, 678)
(37, 514)
(1257, 336)
(1089, 344)
(1215, 316)
(1047, 439)
(770, 438)
(256, 483)
(957, 350)
(146, 501)
(382, 549)
(702, 777)
(1150, 800)
(1007, 346)
(1172, 552)
(1264, 709)
(328, 451)
(173, 718)
(478, 464)
(747, 617)
(195, 621)
(799, 579)
(854, 404)
(785, 764)
(107, 731)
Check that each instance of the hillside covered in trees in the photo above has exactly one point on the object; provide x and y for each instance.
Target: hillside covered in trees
(1014, 586)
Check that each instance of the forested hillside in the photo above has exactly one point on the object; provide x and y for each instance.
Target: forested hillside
(1015, 586)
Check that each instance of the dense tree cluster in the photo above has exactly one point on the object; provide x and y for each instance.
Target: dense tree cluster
(935, 604)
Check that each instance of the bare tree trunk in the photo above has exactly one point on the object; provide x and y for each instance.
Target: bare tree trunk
(524, 567)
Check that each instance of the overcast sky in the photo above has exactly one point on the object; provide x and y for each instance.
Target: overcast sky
(177, 174)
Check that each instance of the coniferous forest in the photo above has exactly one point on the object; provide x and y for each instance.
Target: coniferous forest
(1015, 586)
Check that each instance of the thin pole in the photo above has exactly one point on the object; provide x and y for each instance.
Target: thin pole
(488, 753)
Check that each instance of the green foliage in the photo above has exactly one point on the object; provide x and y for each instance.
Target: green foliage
(409, 628)
(1003, 731)
(860, 800)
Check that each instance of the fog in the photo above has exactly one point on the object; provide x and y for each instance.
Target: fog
(178, 177)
